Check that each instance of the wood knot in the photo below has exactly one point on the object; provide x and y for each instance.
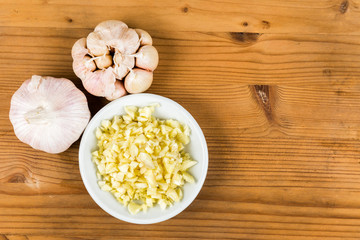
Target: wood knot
(185, 9)
(262, 93)
(265, 24)
(327, 72)
(340, 92)
(69, 20)
(245, 24)
(344, 6)
(244, 37)
(17, 178)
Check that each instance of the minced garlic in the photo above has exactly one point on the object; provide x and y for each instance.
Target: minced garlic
(141, 159)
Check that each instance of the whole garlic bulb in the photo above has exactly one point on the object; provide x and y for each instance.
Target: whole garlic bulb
(49, 113)
(111, 53)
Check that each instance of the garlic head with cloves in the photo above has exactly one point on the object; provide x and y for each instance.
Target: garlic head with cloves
(49, 113)
(115, 59)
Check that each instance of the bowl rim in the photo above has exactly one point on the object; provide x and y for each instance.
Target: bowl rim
(170, 214)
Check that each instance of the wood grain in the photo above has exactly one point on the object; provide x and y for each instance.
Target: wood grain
(305, 17)
(273, 84)
(270, 59)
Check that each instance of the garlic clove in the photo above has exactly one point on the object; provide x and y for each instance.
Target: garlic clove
(96, 44)
(49, 113)
(99, 83)
(131, 41)
(128, 43)
(111, 29)
(104, 61)
(79, 49)
(83, 66)
(138, 80)
(116, 34)
(102, 83)
(88, 62)
(145, 38)
(147, 58)
(119, 91)
(123, 64)
(82, 63)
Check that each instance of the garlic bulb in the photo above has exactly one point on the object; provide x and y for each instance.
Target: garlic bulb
(49, 113)
(108, 55)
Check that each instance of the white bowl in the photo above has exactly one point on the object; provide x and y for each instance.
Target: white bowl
(168, 109)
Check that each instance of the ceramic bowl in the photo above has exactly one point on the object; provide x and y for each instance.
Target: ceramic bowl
(197, 148)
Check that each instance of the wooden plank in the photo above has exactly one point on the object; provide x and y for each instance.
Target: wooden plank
(273, 188)
(251, 161)
(253, 212)
(319, 111)
(273, 84)
(269, 16)
(209, 58)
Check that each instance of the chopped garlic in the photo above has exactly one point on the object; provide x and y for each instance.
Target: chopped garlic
(141, 159)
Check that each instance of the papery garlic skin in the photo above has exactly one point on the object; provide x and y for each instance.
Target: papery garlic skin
(118, 92)
(123, 64)
(49, 113)
(79, 49)
(111, 29)
(83, 66)
(114, 49)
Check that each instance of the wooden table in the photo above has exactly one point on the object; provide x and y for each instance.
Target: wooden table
(274, 85)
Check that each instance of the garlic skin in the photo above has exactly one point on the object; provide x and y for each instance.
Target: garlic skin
(86, 64)
(49, 113)
(123, 64)
(104, 83)
(109, 54)
(138, 80)
(111, 29)
(79, 49)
